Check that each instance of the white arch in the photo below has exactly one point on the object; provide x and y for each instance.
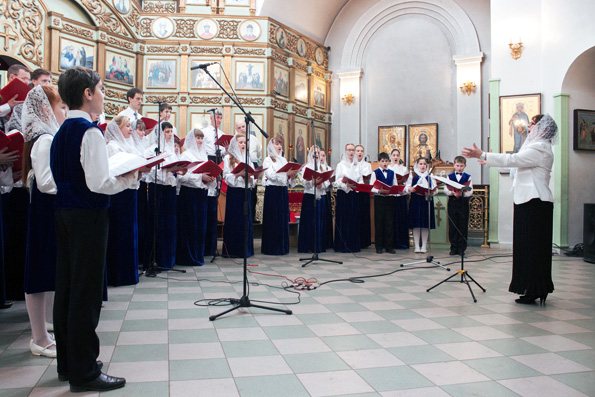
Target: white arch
(450, 17)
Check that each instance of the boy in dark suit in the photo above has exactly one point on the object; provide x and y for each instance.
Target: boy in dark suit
(458, 207)
(383, 206)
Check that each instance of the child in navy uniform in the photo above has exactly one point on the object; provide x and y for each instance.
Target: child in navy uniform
(79, 164)
(383, 206)
(458, 207)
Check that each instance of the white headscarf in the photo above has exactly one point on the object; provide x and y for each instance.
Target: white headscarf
(546, 130)
(114, 133)
(164, 146)
(272, 152)
(310, 163)
(423, 182)
(234, 149)
(38, 116)
(191, 145)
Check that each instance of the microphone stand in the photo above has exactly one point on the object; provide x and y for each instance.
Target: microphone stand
(217, 161)
(153, 268)
(244, 301)
(315, 256)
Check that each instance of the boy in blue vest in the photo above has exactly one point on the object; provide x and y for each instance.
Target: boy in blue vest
(79, 164)
(458, 207)
(384, 210)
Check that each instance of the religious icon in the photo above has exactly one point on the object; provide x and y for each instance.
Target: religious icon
(320, 135)
(301, 135)
(119, 68)
(281, 37)
(73, 53)
(515, 115)
(584, 129)
(161, 73)
(392, 137)
(301, 87)
(319, 55)
(423, 142)
(207, 29)
(250, 30)
(163, 27)
(301, 47)
(281, 80)
(249, 75)
(319, 93)
(200, 80)
(122, 5)
(281, 131)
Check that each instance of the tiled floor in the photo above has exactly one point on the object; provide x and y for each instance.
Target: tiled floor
(386, 336)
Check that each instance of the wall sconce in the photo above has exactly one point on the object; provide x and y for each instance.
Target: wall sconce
(290, 147)
(468, 87)
(516, 49)
(348, 98)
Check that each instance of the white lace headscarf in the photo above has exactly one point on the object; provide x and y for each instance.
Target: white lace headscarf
(546, 130)
(164, 146)
(234, 149)
(423, 182)
(310, 163)
(38, 116)
(191, 145)
(272, 152)
(114, 133)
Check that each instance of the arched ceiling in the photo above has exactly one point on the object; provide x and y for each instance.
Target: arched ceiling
(313, 18)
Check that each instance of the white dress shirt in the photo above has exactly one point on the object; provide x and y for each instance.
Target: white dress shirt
(271, 177)
(40, 164)
(191, 179)
(164, 177)
(231, 179)
(4, 109)
(468, 193)
(210, 139)
(95, 163)
(349, 170)
(132, 114)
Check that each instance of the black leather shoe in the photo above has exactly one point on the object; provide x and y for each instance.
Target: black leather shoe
(5, 305)
(102, 383)
(379, 250)
(391, 251)
(526, 299)
(64, 377)
(453, 252)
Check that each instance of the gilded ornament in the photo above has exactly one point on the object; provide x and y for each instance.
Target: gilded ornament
(250, 51)
(205, 100)
(104, 17)
(159, 7)
(75, 30)
(153, 49)
(120, 43)
(27, 17)
(185, 28)
(228, 29)
(161, 98)
(206, 50)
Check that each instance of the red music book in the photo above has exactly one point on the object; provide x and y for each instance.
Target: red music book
(395, 189)
(102, 126)
(149, 123)
(364, 188)
(13, 141)
(402, 179)
(181, 164)
(422, 190)
(290, 167)
(122, 163)
(251, 171)
(208, 167)
(15, 87)
(223, 140)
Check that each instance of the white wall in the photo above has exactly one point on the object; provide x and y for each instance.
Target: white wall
(580, 84)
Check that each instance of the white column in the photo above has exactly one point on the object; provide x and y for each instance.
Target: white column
(349, 115)
(469, 109)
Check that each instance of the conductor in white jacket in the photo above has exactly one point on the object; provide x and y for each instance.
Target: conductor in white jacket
(533, 208)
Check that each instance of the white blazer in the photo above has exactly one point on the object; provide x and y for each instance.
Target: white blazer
(534, 166)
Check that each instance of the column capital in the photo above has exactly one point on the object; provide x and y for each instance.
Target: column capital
(470, 59)
(349, 74)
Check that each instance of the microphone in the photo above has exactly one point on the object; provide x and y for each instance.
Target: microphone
(212, 110)
(202, 65)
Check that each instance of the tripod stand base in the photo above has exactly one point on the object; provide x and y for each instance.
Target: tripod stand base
(464, 274)
(244, 301)
(215, 255)
(156, 269)
(315, 257)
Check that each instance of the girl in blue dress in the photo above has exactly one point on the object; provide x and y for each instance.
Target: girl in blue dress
(233, 231)
(43, 113)
(275, 210)
(192, 204)
(421, 204)
(308, 218)
(122, 248)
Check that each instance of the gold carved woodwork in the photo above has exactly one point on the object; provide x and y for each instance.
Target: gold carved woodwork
(318, 73)
(252, 101)
(104, 17)
(280, 58)
(205, 100)
(112, 109)
(184, 28)
(120, 43)
(301, 66)
(272, 31)
(162, 49)
(27, 24)
(206, 50)
(144, 29)
(250, 51)
(75, 30)
(291, 42)
(161, 98)
(300, 110)
(319, 116)
(133, 19)
(115, 94)
(228, 29)
(278, 105)
(479, 211)
(159, 8)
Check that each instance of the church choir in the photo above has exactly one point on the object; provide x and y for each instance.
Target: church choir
(169, 215)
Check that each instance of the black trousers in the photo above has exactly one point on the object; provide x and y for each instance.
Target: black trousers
(254, 193)
(81, 236)
(458, 223)
(384, 213)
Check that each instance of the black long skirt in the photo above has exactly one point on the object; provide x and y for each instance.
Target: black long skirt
(275, 221)
(532, 248)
